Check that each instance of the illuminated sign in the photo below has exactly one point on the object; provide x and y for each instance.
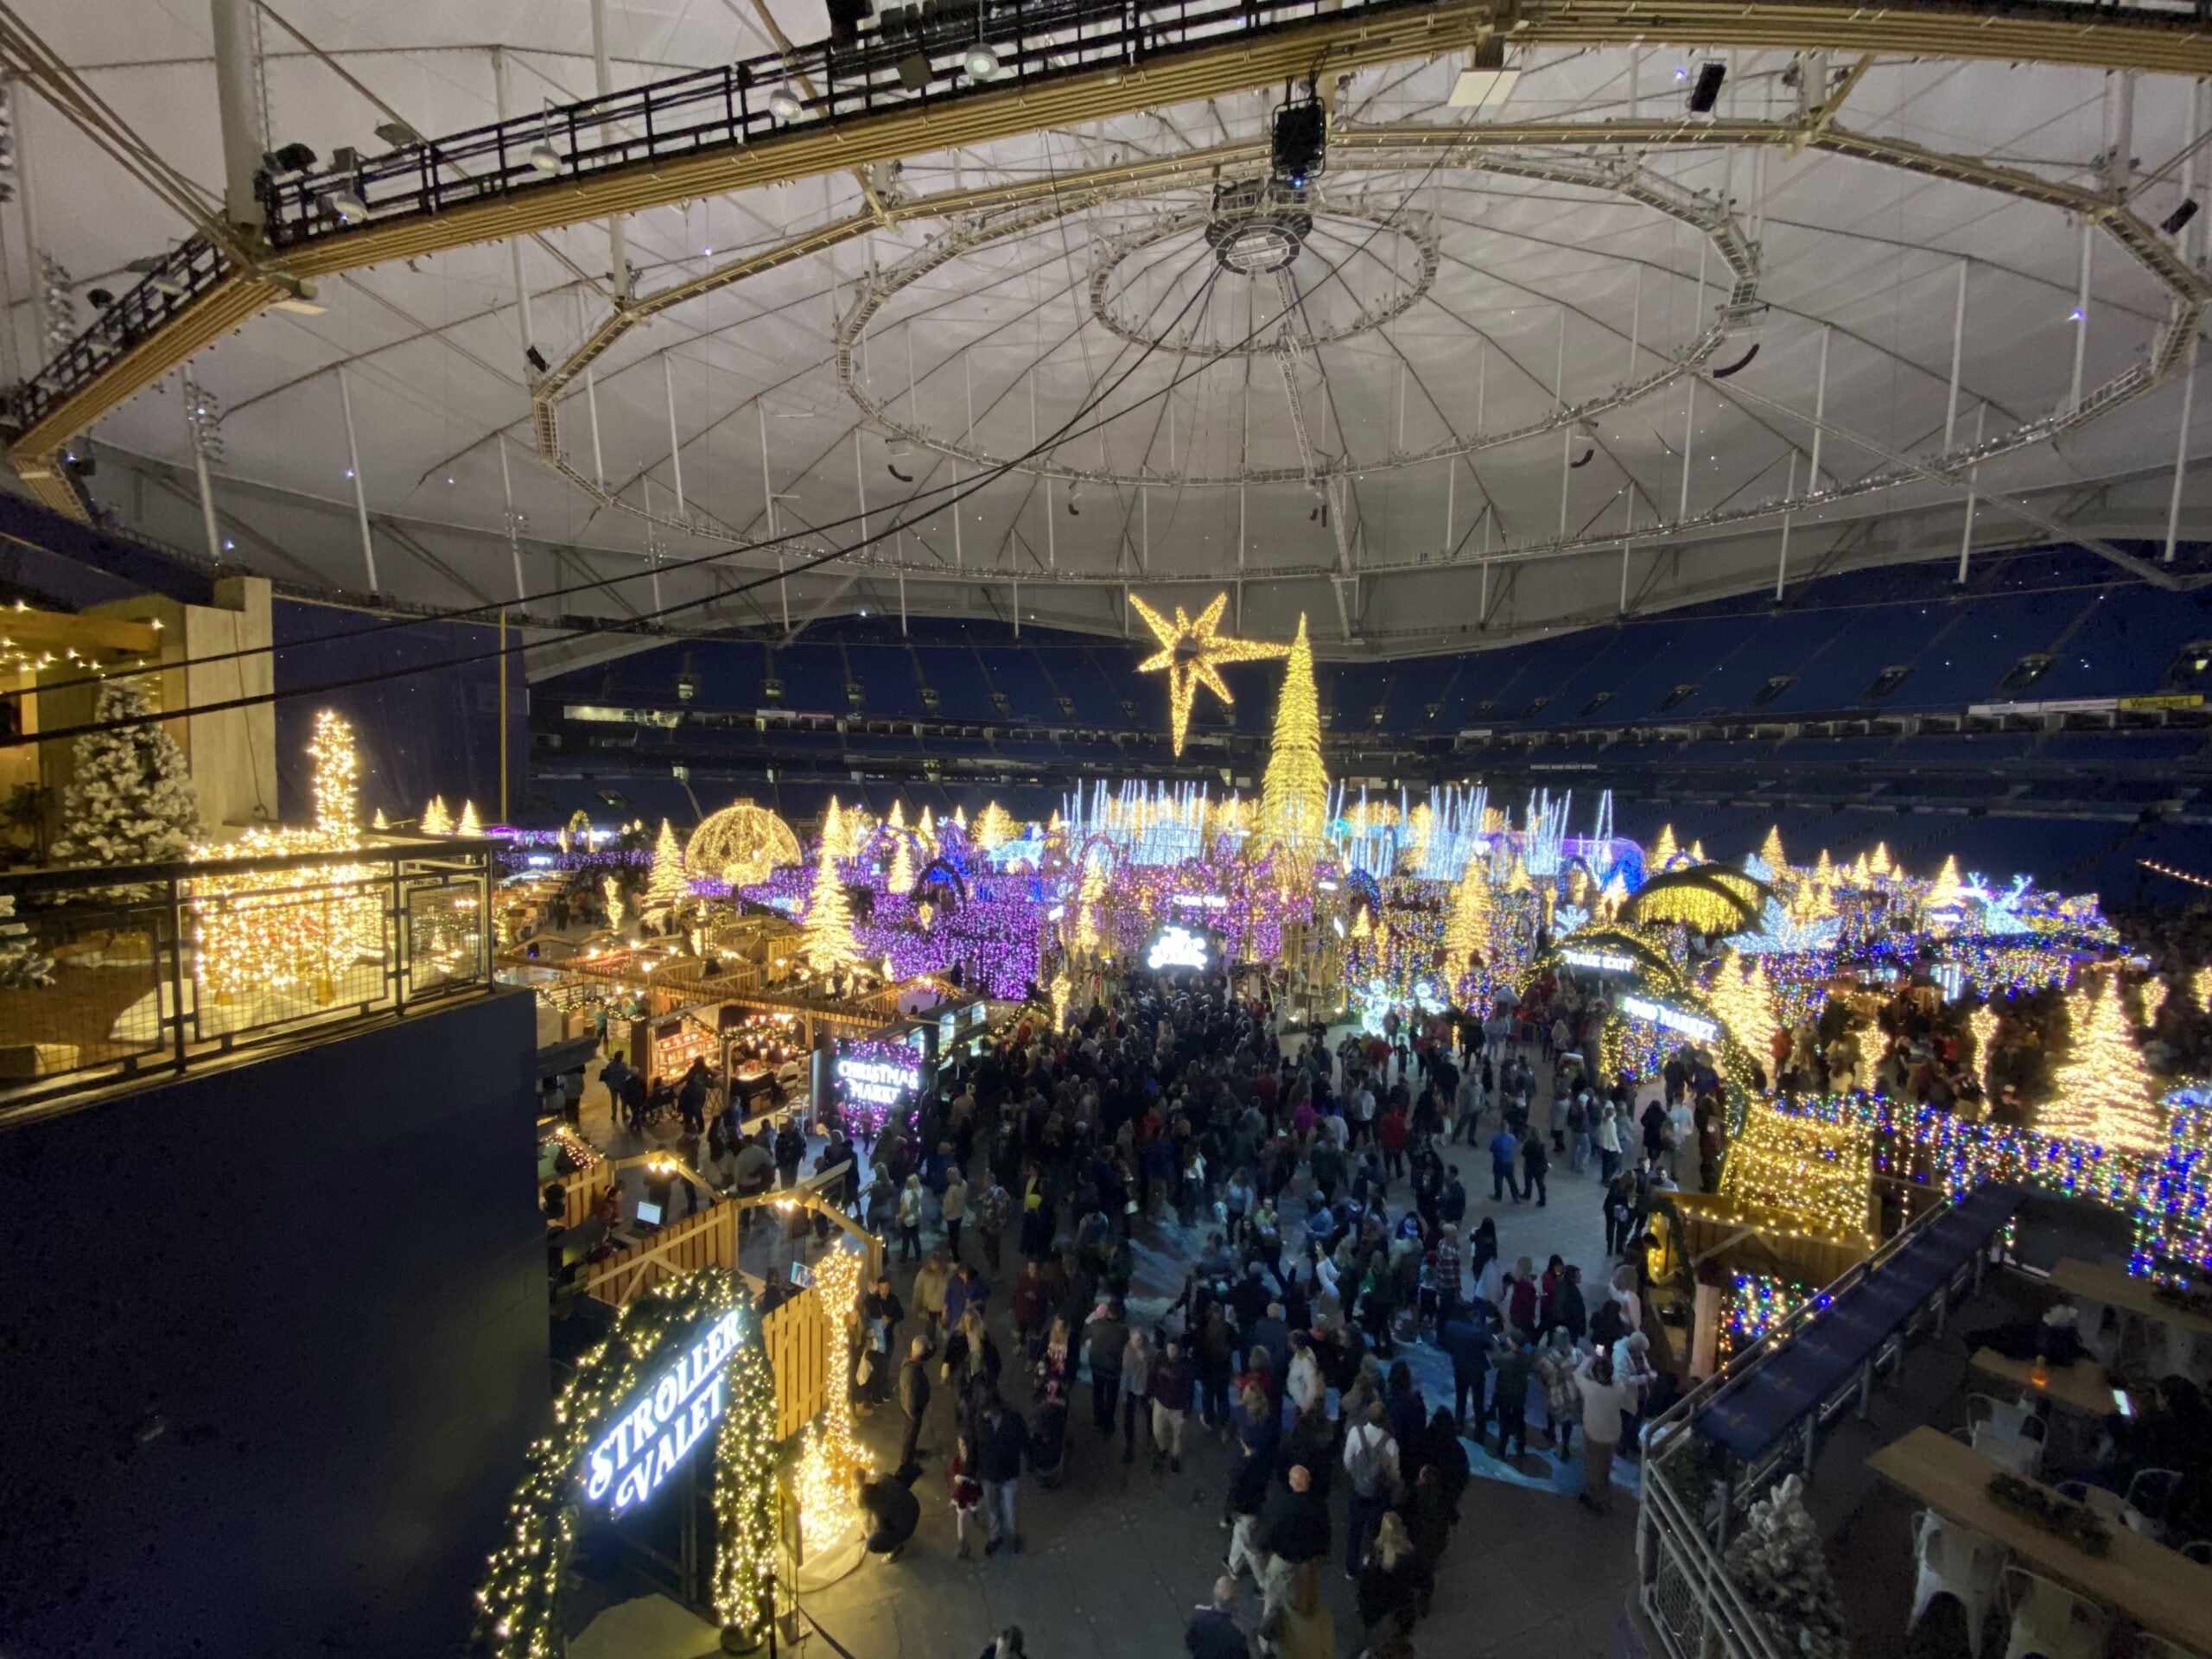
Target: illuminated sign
(1176, 946)
(1690, 1025)
(657, 1430)
(1199, 900)
(877, 1074)
(1604, 961)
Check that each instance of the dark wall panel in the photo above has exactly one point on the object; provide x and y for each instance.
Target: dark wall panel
(433, 733)
(274, 1346)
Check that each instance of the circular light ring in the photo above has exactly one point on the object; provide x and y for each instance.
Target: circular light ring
(1736, 251)
(2134, 235)
(1285, 231)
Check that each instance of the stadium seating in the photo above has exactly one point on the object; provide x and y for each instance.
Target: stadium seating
(1722, 718)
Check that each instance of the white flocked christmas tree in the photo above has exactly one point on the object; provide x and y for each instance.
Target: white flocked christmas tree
(131, 801)
(1779, 1566)
(21, 966)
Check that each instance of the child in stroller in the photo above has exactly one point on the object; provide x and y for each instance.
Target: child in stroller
(1048, 1442)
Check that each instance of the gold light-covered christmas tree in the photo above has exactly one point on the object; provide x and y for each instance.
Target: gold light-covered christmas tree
(1294, 793)
(1771, 853)
(2105, 1094)
(437, 820)
(900, 876)
(1945, 892)
(1743, 997)
(1466, 927)
(826, 934)
(993, 827)
(666, 889)
(291, 932)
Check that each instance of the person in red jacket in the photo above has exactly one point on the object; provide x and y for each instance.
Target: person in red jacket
(1393, 1133)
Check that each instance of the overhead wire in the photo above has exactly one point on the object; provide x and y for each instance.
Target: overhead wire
(959, 493)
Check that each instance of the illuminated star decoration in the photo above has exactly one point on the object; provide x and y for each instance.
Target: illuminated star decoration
(1192, 651)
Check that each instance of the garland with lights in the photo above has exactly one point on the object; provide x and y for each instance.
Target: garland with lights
(829, 1508)
(518, 1606)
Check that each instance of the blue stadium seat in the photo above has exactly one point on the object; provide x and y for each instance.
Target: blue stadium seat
(2123, 648)
(886, 675)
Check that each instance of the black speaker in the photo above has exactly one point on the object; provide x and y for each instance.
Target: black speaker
(1706, 92)
(846, 17)
(1301, 140)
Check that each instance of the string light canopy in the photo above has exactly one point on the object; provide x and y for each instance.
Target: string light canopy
(1709, 898)
(1192, 651)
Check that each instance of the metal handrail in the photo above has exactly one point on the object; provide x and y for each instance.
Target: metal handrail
(1668, 1515)
(64, 878)
(1709, 1574)
(1660, 1433)
(727, 106)
(403, 922)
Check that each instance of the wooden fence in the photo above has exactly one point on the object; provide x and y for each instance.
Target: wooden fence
(806, 1351)
(707, 1239)
(582, 1191)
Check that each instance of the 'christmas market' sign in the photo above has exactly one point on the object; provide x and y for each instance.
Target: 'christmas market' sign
(873, 1072)
(655, 1431)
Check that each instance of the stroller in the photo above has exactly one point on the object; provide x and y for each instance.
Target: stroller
(1048, 1443)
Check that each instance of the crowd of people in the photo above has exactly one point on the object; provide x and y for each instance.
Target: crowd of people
(1312, 1198)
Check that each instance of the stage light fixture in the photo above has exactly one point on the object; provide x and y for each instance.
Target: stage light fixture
(545, 157)
(399, 135)
(348, 206)
(292, 158)
(1706, 92)
(980, 63)
(784, 104)
(914, 71)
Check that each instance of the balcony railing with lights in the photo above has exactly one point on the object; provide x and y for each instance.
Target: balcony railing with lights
(116, 974)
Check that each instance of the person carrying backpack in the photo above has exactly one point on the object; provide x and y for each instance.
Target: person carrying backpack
(1372, 1465)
